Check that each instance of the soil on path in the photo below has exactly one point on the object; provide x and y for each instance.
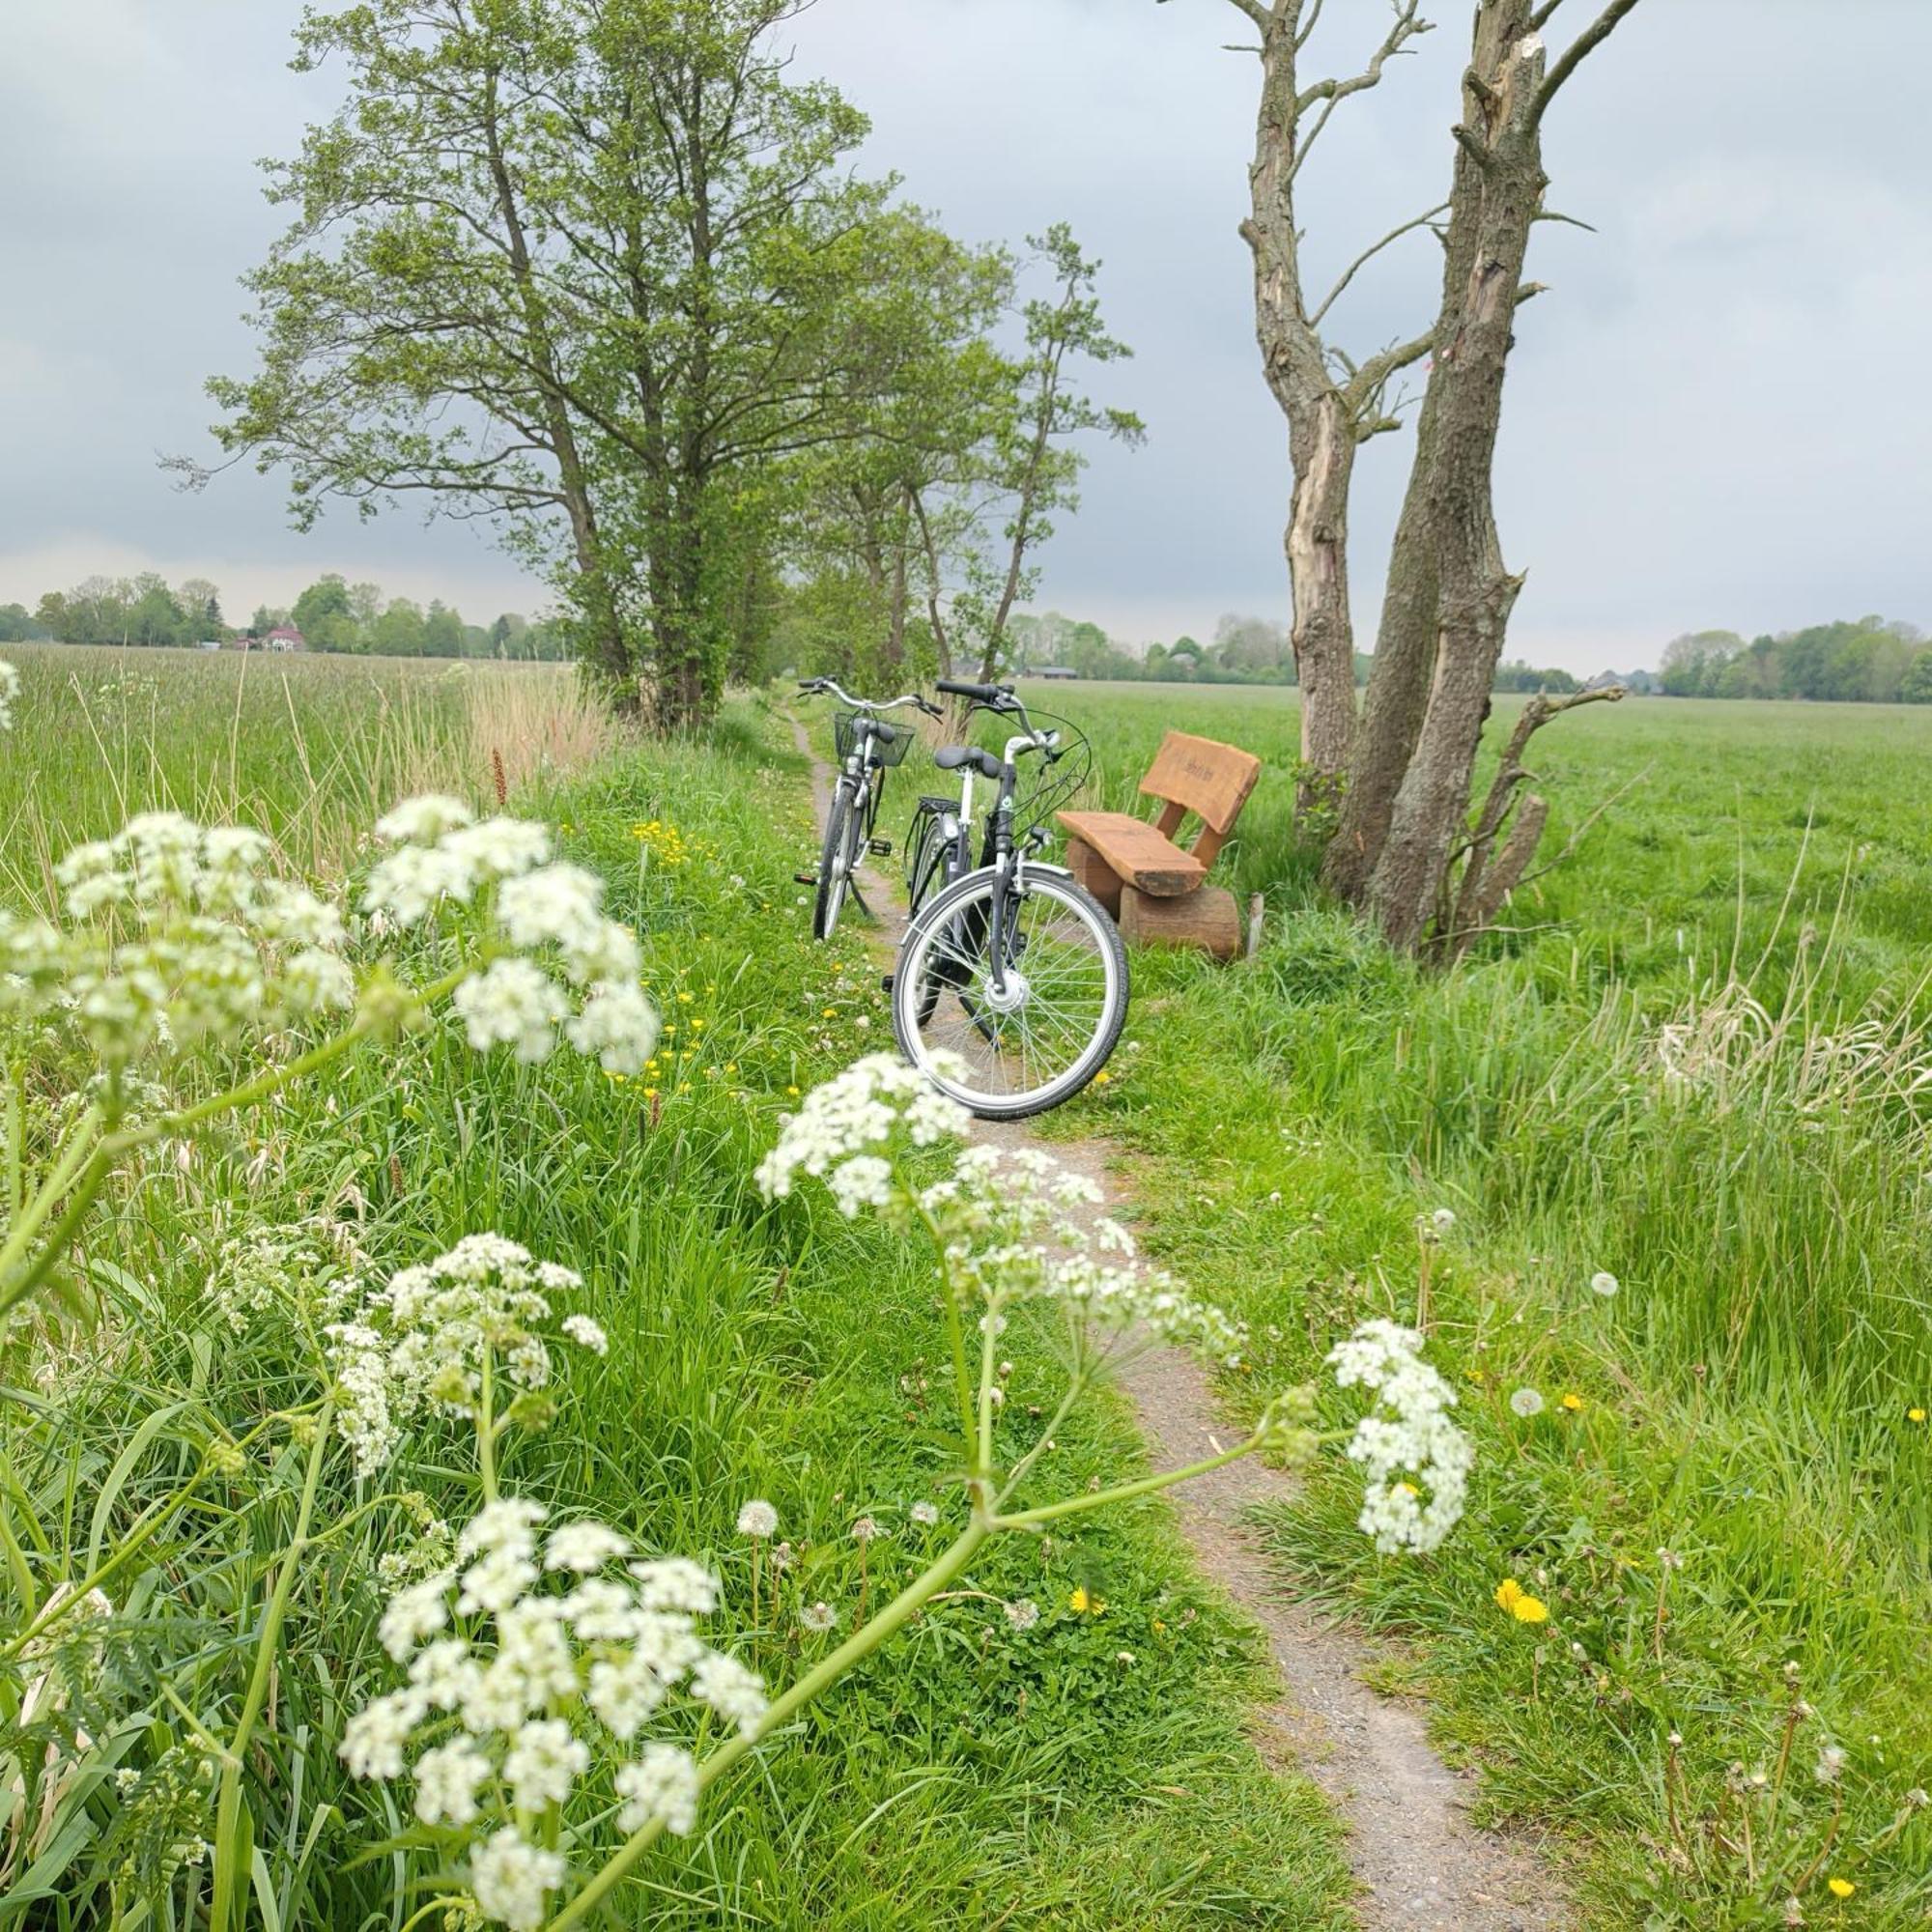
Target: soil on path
(1424, 1865)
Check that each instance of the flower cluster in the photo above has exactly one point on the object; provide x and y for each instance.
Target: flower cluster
(1406, 1441)
(267, 1268)
(443, 856)
(1004, 1219)
(10, 690)
(532, 1669)
(426, 1339)
(174, 933)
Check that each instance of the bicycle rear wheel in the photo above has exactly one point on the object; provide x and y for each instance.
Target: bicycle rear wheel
(1038, 1040)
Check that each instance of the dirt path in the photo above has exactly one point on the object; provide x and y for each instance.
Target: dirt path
(1424, 1866)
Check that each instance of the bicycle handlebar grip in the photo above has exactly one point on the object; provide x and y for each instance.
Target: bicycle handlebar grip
(980, 693)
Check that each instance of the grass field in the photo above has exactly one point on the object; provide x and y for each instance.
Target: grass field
(1707, 1076)
(1702, 1073)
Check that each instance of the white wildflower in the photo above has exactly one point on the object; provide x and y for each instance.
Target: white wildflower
(1603, 1283)
(511, 1003)
(446, 1781)
(583, 1546)
(818, 1617)
(544, 1763)
(924, 1513)
(422, 820)
(617, 1026)
(1526, 1402)
(1406, 1442)
(757, 1520)
(586, 1334)
(662, 1784)
(414, 1614)
(1830, 1764)
(733, 1691)
(10, 691)
(1022, 1613)
(513, 1879)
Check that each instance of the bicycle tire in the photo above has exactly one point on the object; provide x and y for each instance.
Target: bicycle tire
(835, 863)
(954, 925)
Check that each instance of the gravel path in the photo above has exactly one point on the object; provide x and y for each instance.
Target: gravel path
(1423, 1865)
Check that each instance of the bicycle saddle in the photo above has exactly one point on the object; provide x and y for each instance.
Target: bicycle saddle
(951, 758)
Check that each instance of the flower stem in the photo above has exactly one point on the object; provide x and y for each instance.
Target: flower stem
(855, 1648)
(1123, 1493)
(229, 1851)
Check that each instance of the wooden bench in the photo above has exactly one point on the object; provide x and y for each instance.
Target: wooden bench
(1156, 889)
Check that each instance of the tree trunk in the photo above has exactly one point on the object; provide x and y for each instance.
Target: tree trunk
(1405, 659)
(1476, 593)
(1322, 436)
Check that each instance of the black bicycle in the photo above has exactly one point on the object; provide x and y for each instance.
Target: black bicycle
(1012, 987)
(868, 747)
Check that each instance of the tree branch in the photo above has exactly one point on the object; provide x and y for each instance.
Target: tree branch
(1541, 18)
(1406, 26)
(1577, 53)
(1307, 26)
(1368, 254)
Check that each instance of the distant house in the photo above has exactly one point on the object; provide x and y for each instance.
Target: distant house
(285, 638)
(210, 645)
(1057, 670)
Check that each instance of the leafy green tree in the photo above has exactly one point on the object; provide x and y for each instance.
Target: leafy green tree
(398, 633)
(577, 266)
(323, 617)
(1914, 686)
(19, 627)
(443, 630)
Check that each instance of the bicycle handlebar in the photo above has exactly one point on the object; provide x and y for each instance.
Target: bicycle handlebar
(998, 695)
(844, 696)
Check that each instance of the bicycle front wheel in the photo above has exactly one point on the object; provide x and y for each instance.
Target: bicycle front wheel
(1037, 1037)
(835, 860)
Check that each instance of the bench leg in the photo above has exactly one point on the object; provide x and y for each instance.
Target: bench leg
(1208, 919)
(1094, 873)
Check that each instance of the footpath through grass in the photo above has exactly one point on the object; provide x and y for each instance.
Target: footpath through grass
(1089, 1771)
(1716, 1461)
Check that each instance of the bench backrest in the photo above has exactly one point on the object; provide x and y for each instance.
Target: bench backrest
(1203, 777)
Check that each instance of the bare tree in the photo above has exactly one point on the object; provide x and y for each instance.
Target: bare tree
(1398, 774)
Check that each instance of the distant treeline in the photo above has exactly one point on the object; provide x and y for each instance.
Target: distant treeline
(1863, 661)
(332, 614)
(1246, 650)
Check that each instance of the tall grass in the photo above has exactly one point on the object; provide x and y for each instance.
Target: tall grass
(1089, 1774)
(1710, 1080)
(311, 748)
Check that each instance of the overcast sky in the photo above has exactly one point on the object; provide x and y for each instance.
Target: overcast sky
(1719, 415)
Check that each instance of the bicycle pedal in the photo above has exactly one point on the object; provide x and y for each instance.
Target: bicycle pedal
(886, 986)
(805, 879)
(880, 848)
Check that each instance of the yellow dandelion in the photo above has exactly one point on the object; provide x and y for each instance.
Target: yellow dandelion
(1530, 1610)
(1572, 1401)
(1101, 1078)
(684, 999)
(1841, 1887)
(1086, 1603)
(1915, 1416)
(793, 1092)
(1509, 1593)
(831, 1013)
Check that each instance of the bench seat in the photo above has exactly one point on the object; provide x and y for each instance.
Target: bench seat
(1137, 853)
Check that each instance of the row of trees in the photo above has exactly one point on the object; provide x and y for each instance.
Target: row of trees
(1866, 660)
(604, 272)
(332, 614)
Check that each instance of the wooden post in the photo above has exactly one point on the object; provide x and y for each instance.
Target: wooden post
(1208, 919)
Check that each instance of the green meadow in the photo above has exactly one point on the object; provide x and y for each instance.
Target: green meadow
(1698, 1067)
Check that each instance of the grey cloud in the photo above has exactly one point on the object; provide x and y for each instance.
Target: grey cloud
(1717, 414)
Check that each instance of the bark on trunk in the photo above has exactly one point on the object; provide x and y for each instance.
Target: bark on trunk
(1476, 593)
(1397, 700)
(1322, 436)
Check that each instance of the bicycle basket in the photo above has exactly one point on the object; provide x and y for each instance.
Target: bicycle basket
(1051, 787)
(890, 742)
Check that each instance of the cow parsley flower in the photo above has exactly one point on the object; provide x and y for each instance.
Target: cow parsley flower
(512, 1002)
(419, 1341)
(10, 691)
(1406, 1442)
(529, 1663)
